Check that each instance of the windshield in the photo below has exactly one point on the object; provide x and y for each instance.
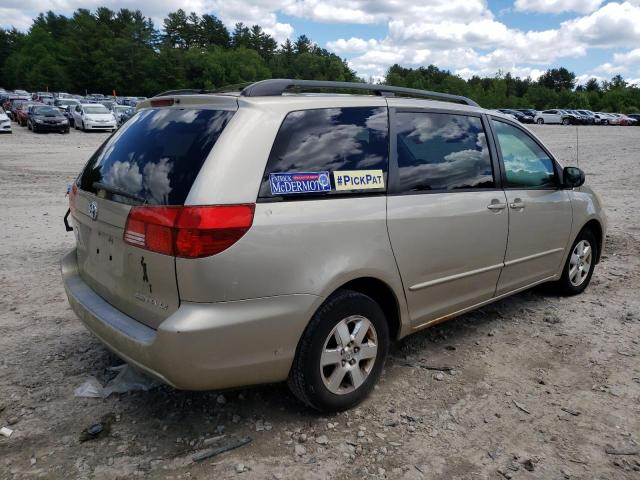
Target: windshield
(66, 102)
(95, 109)
(156, 156)
(46, 111)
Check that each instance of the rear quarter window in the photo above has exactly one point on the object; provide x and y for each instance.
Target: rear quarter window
(328, 151)
(156, 156)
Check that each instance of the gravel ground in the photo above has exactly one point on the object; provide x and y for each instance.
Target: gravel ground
(541, 386)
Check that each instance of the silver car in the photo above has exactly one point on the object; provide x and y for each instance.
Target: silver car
(244, 238)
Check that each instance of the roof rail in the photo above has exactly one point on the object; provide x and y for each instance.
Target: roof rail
(277, 86)
(185, 91)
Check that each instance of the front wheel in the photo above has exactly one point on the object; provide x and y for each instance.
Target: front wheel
(580, 264)
(341, 354)
(540, 121)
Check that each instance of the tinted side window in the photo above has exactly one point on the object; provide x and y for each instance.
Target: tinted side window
(328, 151)
(526, 164)
(441, 151)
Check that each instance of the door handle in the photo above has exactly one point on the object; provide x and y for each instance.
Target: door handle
(496, 206)
(517, 204)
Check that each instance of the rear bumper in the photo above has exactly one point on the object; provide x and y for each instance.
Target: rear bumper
(201, 346)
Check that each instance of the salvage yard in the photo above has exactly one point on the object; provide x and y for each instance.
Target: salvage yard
(532, 387)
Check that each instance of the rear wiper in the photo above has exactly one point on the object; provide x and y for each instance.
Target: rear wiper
(118, 191)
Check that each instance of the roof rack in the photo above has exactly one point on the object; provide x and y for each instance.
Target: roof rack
(277, 86)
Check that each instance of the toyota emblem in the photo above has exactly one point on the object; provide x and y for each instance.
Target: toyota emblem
(93, 210)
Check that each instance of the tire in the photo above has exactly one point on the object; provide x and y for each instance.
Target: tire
(28, 124)
(540, 121)
(565, 121)
(310, 382)
(569, 283)
(82, 126)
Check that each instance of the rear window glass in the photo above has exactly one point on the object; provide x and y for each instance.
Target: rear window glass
(155, 157)
(328, 151)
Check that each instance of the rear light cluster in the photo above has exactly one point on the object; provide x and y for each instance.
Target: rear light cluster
(189, 231)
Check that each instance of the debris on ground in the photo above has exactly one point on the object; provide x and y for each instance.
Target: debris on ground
(521, 407)
(212, 452)
(6, 432)
(98, 429)
(128, 379)
(570, 411)
(610, 450)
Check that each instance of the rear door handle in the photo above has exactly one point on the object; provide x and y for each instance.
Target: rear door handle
(517, 204)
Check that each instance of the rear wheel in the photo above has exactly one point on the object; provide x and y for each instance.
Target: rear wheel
(540, 121)
(580, 264)
(565, 121)
(342, 352)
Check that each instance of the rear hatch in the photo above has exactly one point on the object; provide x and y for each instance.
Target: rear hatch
(152, 160)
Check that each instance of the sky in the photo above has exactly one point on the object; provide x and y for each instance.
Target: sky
(593, 38)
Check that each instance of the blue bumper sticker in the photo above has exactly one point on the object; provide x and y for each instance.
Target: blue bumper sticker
(299, 182)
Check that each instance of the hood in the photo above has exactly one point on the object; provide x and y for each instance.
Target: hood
(98, 116)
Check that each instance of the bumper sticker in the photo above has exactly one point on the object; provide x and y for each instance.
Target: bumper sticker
(299, 182)
(358, 179)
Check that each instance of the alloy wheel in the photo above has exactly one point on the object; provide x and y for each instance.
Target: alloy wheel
(349, 354)
(580, 263)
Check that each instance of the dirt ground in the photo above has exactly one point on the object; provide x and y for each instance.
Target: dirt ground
(541, 385)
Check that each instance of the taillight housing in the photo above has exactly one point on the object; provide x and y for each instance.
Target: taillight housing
(188, 231)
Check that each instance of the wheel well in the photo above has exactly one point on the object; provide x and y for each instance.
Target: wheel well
(595, 228)
(383, 295)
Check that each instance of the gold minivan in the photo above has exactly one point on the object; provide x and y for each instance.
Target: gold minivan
(230, 239)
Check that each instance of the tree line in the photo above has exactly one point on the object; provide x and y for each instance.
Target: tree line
(105, 50)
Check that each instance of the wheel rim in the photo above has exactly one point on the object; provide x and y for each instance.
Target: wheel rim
(580, 263)
(348, 355)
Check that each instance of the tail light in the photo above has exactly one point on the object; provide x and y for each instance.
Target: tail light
(189, 232)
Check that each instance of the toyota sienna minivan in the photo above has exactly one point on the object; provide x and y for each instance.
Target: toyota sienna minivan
(231, 239)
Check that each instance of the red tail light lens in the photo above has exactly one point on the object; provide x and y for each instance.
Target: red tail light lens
(189, 232)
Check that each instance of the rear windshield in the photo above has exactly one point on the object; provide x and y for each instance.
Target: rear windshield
(95, 109)
(155, 157)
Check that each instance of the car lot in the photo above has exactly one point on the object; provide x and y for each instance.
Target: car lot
(532, 352)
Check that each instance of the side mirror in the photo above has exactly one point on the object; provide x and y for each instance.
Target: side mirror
(572, 177)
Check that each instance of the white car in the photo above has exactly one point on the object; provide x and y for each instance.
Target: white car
(93, 116)
(551, 116)
(5, 123)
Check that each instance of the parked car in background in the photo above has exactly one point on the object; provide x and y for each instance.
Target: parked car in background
(14, 105)
(5, 123)
(591, 115)
(552, 116)
(43, 97)
(580, 118)
(22, 113)
(573, 118)
(528, 111)
(47, 118)
(122, 113)
(624, 120)
(66, 106)
(609, 119)
(23, 93)
(93, 116)
(520, 116)
(511, 116)
(636, 116)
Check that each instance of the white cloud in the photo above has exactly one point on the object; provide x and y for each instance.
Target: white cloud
(557, 6)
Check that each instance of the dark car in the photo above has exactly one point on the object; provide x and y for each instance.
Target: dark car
(47, 119)
(521, 116)
(65, 105)
(532, 112)
(582, 118)
(635, 116)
